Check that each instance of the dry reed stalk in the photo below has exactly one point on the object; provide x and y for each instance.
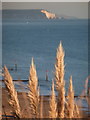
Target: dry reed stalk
(61, 101)
(59, 78)
(53, 105)
(41, 107)
(66, 110)
(13, 100)
(33, 94)
(73, 110)
(76, 112)
(70, 99)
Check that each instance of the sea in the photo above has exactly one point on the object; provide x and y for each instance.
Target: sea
(28, 33)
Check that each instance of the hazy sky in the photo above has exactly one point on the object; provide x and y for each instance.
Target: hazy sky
(77, 9)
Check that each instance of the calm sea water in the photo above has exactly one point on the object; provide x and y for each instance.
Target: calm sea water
(28, 34)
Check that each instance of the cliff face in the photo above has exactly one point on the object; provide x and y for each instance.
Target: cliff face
(48, 14)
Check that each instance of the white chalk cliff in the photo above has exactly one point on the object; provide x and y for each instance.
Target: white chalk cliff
(48, 14)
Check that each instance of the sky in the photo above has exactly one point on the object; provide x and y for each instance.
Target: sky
(76, 9)
(45, 0)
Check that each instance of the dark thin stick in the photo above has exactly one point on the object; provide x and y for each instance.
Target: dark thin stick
(4, 112)
(17, 80)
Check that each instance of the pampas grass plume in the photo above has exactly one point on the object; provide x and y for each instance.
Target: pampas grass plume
(59, 78)
(70, 99)
(59, 66)
(53, 105)
(13, 100)
(33, 94)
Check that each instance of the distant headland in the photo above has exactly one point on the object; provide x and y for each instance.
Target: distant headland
(48, 14)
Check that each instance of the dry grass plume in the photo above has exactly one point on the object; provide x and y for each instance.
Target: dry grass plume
(61, 101)
(13, 100)
(70, 99)
(73, 110)
(33, 94)
(59, 66)
(76, 112)
(53, 104)
(59, 78)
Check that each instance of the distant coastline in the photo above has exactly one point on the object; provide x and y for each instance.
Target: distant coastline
(13, 13)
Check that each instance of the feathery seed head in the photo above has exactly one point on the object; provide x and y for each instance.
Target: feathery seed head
(13, 100)
(33, 93)
(53, 105)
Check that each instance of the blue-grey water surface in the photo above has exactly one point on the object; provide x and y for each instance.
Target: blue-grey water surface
(32, 35)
